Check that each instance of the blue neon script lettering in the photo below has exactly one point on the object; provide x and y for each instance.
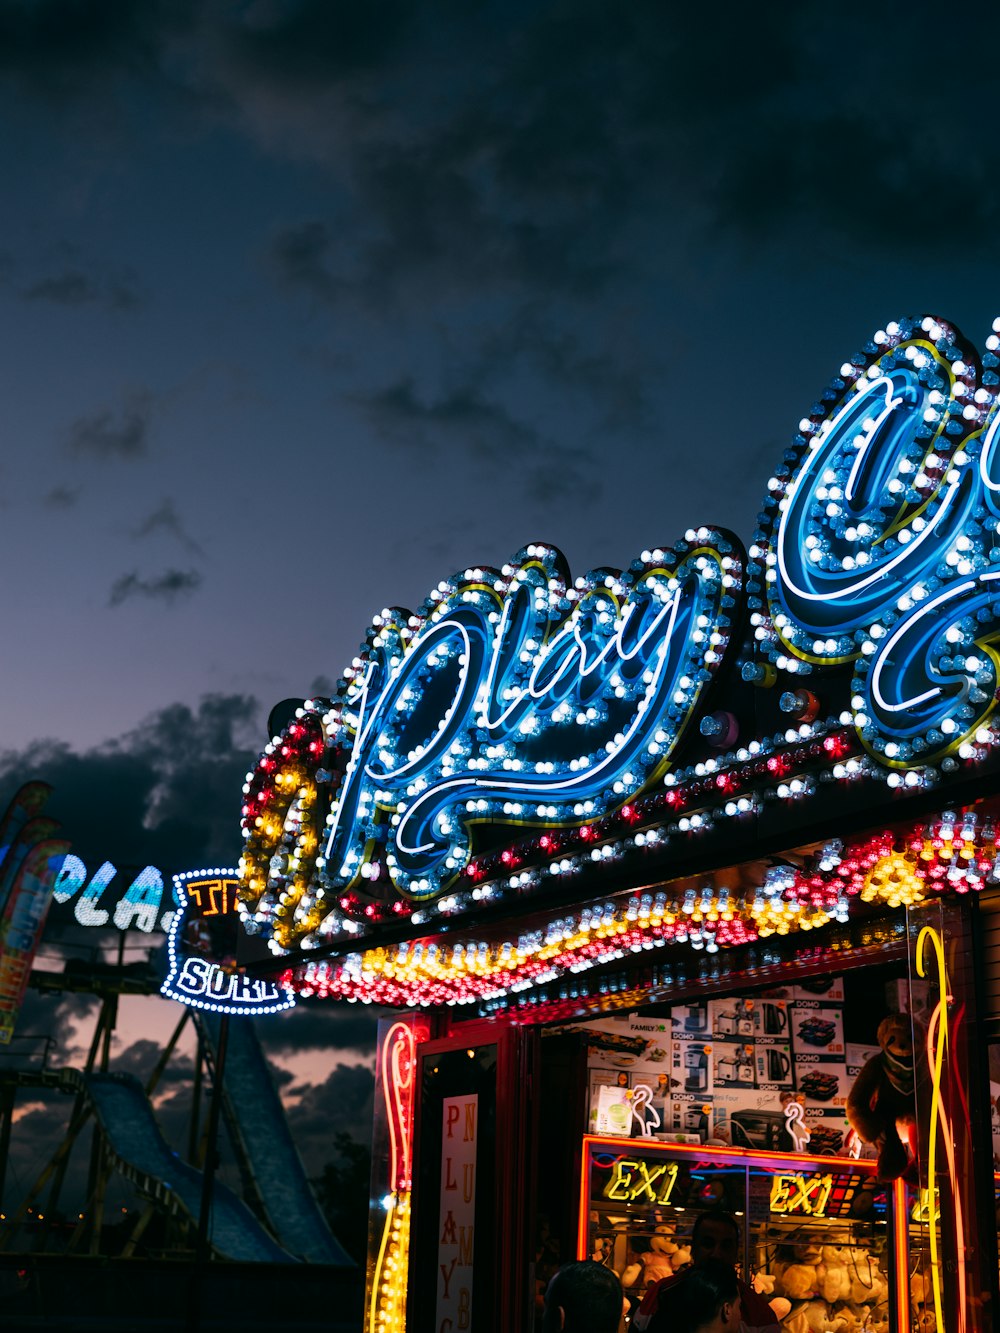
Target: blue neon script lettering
(885, 550)
(498, 709)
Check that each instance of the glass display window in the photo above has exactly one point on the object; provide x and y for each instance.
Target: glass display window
(815, 1232)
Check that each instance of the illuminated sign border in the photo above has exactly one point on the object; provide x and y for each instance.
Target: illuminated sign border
(270, 999)
(877, 547)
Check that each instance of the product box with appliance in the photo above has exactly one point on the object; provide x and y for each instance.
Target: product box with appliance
(908, 997)
(750, 1118)
(733, 1020)
(823, 990)
(775, 1064)
(689, 1115)
(691, 1067)
(690, 1021)
(733, 1064)
(817, 1029)
(823, 1085)
(773, 1020)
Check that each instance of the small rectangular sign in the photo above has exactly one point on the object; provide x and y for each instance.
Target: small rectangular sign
(456, 1229)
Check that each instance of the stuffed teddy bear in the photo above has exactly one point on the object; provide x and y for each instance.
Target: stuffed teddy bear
(881, 1098)
(814, 1317)
(649, 1265)
(799, 1281)
(833, 1274)
(681, 1258)
(849, 1318)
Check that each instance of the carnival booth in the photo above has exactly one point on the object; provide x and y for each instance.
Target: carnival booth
(681, 885)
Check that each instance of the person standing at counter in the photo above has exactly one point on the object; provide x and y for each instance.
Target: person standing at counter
(584, 1297)
(707, 1300)
(715, 1239)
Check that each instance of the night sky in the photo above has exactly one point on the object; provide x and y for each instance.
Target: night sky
(308, 305)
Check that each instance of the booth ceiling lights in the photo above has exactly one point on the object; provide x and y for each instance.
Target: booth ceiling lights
(953, 854)
(522, 726)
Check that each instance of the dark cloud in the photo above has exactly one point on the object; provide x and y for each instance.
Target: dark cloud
(165, 519)
(165, 587)
(141, 1059)
(167, 793)
(75, 288)
(513, 142)
(343, 1102)
(303, 255)
(59, 48)
(402, 418)
(62, 497)
(483, 430)
(106, 434)
(322, 1026)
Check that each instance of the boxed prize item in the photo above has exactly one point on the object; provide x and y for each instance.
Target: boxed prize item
(773, 1020)
(775, 1064)
(817, 1029)
(733, 1020)
(856, 1057)
(905, 997)
(614, 1111)
(691, 1067)
(690, 1020)
(823, 1087)
(750, 1118)
(733, 1064)
(689, 1115)
(824, 990)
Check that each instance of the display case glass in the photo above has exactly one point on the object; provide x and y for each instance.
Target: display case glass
(816, 1232)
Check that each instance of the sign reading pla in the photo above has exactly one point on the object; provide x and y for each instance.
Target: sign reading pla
(137, 909)
(201, 950)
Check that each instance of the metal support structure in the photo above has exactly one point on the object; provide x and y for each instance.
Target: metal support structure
(8, 1092)
(208, 1170)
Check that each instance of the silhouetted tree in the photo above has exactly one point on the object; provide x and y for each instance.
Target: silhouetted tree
(342, 1190)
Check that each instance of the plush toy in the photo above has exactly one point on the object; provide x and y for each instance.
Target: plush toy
(921, 1289)
(849, 1319)
(799, 1281)
(833, 1274)
(869, 1285)
(649, 1265)
(681, 1257)
(881, 1098)
(814, 1317)
(781, 1306)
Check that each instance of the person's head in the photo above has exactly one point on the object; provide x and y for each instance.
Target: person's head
(716, 1235)
(705, 1300)
(583, 1297)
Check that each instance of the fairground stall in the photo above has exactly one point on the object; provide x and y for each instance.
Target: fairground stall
(681, 882)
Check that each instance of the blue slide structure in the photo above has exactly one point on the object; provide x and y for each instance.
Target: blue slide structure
(255, 1119)
(141, 1153)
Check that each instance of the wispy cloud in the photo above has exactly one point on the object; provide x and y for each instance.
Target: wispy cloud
(166, 587)
(73, 287)
(108, 434)
(61, 497)
(165, 519)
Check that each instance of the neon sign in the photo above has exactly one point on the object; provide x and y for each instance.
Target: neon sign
(137, 909)
(520, 700)
(389, 1269)
(879, 544)
(938, 1052)
(801, 1194)
(634, 1180)
(201, 945)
